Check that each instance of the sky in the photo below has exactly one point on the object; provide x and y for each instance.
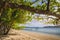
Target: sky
(35, 23)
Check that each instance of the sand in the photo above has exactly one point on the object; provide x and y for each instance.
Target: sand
(26, 35)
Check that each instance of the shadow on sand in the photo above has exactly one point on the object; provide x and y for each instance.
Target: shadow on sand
(3, 37)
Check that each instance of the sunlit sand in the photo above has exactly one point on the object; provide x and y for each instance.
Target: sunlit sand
(26, 35)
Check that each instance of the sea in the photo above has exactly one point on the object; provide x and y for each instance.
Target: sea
(55, 31)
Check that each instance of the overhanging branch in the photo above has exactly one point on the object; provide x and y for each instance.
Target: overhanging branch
(28, 8)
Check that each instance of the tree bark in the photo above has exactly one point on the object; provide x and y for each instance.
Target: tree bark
(48, 3)
(4, 28)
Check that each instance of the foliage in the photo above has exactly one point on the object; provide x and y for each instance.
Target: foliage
(13, 16)
(16, 26)
(9, 15)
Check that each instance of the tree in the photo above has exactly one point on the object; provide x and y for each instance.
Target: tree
(15, 11)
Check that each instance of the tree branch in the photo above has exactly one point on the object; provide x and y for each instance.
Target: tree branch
(28, 8)
(48, 3)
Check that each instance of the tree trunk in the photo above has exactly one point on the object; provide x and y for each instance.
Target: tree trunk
(4, 29)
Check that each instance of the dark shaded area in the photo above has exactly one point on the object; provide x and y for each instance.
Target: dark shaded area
(4, 29)
(2, 37)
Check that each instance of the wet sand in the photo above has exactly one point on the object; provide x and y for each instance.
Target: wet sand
(26, 35)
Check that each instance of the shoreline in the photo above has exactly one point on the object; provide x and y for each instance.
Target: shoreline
(25, 35)
(43, 33)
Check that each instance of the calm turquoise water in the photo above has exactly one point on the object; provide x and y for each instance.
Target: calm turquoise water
(55, 31)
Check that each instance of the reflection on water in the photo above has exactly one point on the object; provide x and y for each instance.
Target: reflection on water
(45, 30)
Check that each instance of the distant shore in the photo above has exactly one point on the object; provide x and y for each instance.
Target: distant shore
(54, 31)
(26, 35)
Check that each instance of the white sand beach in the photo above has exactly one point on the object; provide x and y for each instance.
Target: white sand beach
(26, 35)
